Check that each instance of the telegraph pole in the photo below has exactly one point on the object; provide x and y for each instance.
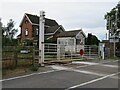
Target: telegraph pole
(41, 37)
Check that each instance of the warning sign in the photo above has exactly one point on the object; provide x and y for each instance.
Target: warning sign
(81, 52)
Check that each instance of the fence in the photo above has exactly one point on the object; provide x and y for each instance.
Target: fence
(55, 52)
(28, 55)
(13, 57)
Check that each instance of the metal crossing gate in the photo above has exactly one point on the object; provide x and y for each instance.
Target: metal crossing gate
(68, 52)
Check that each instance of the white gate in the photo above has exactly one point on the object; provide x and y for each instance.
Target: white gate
(73, 52)
(70, 52)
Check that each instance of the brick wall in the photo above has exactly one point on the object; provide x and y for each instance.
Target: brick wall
(25, 26)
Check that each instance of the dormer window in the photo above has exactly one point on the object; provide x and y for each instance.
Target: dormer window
(26, 31)
(26, 21)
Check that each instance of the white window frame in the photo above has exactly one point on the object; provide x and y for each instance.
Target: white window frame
(36, 31)
(26, 31)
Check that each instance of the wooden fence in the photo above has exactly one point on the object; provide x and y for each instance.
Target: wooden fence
(14, 56)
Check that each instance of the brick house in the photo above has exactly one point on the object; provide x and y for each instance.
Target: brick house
(30, 28)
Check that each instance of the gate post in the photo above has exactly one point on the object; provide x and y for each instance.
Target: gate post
(58, 51)
(41, 38)
(101, 50)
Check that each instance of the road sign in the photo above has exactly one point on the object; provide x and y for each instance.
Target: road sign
(25, 51)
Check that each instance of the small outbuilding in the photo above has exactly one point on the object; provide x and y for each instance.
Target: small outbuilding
(71, 39)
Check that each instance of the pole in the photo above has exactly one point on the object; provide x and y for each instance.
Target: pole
(41, 38)
(115, 34)
(103, 53)
(106, 36)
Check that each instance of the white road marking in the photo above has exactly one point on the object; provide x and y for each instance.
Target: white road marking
(109, 65)
(110, 61)
(84, 66)
(87, 72)
(98, 79)
(29, 75)
(82, 62)
(115, 66)
(76, 70)
(58, 67)
(50, 71)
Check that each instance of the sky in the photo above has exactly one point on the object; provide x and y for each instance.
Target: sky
(71, 14)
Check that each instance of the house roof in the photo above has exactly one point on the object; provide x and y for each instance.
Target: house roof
(72, 33)
(51, 29)
(35, 20)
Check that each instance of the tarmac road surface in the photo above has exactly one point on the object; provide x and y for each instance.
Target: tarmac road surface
(80, 75)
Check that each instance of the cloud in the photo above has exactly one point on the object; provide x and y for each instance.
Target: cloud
(100, 32)
(71, 14)
(59, 0)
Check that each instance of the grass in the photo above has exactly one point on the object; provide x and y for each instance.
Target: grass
(50, 57)
(18, 71)
(114, 58)
(0, 73)
(10, 72)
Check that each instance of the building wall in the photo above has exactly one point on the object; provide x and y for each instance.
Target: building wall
(80, 39)
(109, 47)
(58, 32)
(68, 42)
(25, 26)
(34, 32)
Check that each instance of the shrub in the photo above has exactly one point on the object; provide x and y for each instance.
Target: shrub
(34, 68)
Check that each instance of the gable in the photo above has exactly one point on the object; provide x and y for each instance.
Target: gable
(24, 19)
(34, 20)
(80, 35)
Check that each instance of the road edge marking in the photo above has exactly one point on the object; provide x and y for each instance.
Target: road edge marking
(23, 76)
(94, 80)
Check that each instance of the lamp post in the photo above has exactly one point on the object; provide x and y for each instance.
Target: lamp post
(41, 37)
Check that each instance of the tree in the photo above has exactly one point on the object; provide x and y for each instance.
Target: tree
(113, 19)
(92, 40)
(113, 22)
(9, 31)
(1, 28)
(88, 39)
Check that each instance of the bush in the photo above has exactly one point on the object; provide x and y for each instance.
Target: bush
(9, 42)
(34, 68)
(50, 41)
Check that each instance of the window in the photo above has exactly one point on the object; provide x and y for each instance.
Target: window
(26, 21)
(37, 31)
(26, 31)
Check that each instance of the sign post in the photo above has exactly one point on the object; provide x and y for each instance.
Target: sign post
(41, 37)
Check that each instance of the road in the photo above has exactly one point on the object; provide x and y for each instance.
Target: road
(71, 76)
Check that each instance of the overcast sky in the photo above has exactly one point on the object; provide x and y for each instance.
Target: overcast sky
(72, 14)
